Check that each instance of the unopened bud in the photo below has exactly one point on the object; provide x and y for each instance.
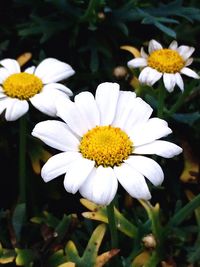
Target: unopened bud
(120, 72)
(149, 241)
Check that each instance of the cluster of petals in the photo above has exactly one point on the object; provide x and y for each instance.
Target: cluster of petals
(109, 107)
(49, 71)
(150, 76)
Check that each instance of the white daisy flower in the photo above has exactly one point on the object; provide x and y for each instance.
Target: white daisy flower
(36, 84)
(102, 140)
(168, 63)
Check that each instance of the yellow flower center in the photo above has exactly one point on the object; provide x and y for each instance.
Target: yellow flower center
(166, 60)
(22, 85)
(106, 145)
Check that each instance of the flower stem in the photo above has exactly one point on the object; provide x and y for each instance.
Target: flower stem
(22, 160)
(90, 10)
(112, 225)
(161, 100)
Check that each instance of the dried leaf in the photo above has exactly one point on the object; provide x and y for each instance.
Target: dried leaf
(191, 168)
(68, 264)
(133, 50)
(24, 58)
(99, 213)
(105, 257)
(141, 259)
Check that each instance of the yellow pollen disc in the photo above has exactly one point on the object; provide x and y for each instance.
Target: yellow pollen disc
(22, 85)
(166, 61)
(106, 145)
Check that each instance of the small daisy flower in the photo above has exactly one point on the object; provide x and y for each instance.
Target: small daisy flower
(102, 140)
(36, 84)
(168, 63)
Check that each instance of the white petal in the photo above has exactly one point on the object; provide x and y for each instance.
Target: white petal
(68, 111)
(161, 148)
(30, 70)
(106, 97)
(156, 75)
(137, 62)
(15, 109)
(3, 103)
(138, 115)
(189, 73)
(56, 134)
(149, 76)
(58, 86)
(57, 165)
(154, 45)
(143, 53)
(147, 167)
(179, 81)
(189, 61)
(132, 181)
(155, 128)
(185, 51)
(45, 101)
(4, 74)
(87, 106)
(52, 70)
(173, 45)
(11, 65)
(169, 81)
(2, 95)
(77, 173)
(124, 107)
(100, 186)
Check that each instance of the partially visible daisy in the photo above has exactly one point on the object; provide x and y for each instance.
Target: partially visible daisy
(168, 63)
(36, 84)
(102, 140)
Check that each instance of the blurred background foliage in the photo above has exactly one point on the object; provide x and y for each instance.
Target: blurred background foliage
(89, 35)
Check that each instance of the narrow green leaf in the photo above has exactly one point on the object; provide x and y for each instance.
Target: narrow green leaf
(18, 219)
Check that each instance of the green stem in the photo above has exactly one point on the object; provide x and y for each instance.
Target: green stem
(112, 225)
(161, 100)
(89, 10)
(22, 160)
(179, 102)
(157, 230)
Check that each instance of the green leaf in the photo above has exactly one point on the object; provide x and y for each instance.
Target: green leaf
(165, 29)
(57, 258)
(18, 219)
(63, 226)
(25, 257)
(184, 212)
(188, 118)
(6, 255)
(91, 251)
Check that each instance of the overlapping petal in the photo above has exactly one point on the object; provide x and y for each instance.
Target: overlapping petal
(87, 106)
(11, 65)
(56, 134)
(132, 181)
(100, 186)
(57, 165)
(106, 98)
(77, 173)
(15, 109)
(51, 70)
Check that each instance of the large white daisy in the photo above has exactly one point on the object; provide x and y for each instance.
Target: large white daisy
(102, 140)
(36, 84)
(168, 63)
